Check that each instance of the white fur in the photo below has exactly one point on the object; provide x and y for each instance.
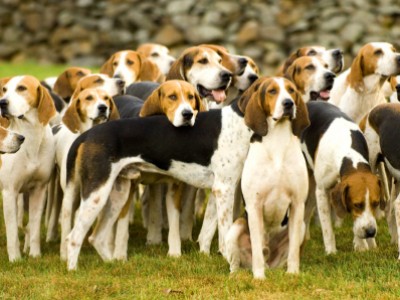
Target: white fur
(161, 57)
(123, 71)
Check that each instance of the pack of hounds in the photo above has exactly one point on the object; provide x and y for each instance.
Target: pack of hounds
(267, 151)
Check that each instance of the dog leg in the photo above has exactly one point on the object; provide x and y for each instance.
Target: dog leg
(71, 193)
(187, 215)
(144, 201)
(296, 236)
(21, 210)
(11, 222)
(122, 229)
(209, 226)
(390, 214)
(37, 201)
(360, 244)
(256, 227)
(154, 223)
(104, 230)
(324, 212)
(397, 214)
(52, 226)
(371, 243)
(174, 239)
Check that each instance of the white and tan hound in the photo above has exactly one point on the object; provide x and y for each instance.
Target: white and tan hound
(67, 81)
(277, 115)
(28, 108)
(130, 66)
(359, 89)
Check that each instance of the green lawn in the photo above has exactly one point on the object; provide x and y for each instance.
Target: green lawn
(150, 274)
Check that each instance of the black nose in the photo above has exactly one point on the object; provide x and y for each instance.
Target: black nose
(21, 138)
(102, 108)
(398, 60)
(398, 88)
(187, 115)
(287, 103)
(3, 103)
(120, 83)
(253, 77)
(337, 53)
(225, 76)
(243, 62)
(329, 76)
(370, 232)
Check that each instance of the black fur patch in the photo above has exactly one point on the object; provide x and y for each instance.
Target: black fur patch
(359, 144)
(256, 138)
(55, 129)
(128, 106)
(321, 115)
(142, 89)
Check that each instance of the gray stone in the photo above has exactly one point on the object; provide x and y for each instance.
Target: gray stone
(169, 36)
(248, 32)
(65, 18)
(8, 50)
(333, 24)
(227, 7)
(179, 6)
(204, 34)
(352, 32)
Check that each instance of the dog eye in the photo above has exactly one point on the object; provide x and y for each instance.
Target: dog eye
(312, 53)
(115, 63)
(172, 97)
(375, 204)
(4, 89)
(155, 54)
(21, 88)
(291, 91)
(203, 61)
(220, 61)
(80, 73)
(378, 52)
(89, 98)
(129, 62)
(190, 96)
(98, 80)
(359, 205)
(272, 92)
(310, 67)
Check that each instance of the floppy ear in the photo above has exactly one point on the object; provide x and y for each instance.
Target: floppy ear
(244, 99)
(46, 107)
(256, 114)
(199, 103)
(71, 117)
(302, 120)
(107, 67)
(176, 71)
(62, 87)
(357, 72)
(149, 71)
(114, 115)
(152, 105)
(290, 60)
(4, 122)
(338, 199)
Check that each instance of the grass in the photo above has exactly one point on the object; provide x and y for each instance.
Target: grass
(150, 274)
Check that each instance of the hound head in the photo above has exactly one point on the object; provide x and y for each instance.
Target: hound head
(158, 54)
(26, 99)
(176, 99)
(10, 142)
(245, 80)
(359, 194)
(273, 100)
(311, 77)
(113, 86)
(202, 67)
(333, 57)
(374, 59)
(130, 66)
(88, 108)
(66, 83)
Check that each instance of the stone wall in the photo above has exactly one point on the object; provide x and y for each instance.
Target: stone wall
(85, 32)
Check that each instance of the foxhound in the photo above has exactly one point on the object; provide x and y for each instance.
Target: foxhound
(28, 108)
(202, 67)
(113, 86)
(67, 81)
(342, 173)
(277, 115)
(213, 157)
(130, 66)
(311, 77)
(89, 108)
(158, 54)
(333, 57)
(359, 89)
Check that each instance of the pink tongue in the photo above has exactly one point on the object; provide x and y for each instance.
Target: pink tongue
(219, 95)
(324, 94)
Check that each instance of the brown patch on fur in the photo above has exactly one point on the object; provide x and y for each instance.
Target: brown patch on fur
(364, 64)
(229, 61)
(363, 123)
(304, 51)
(3, 82)
(168, 96)
(67, 81)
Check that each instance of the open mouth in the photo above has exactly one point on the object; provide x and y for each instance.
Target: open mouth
(323, 94)
(218, 95)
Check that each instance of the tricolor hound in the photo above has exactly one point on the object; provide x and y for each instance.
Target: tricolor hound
(337, 152)
(274, 178)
